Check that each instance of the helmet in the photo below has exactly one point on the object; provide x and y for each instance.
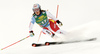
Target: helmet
(36, 6)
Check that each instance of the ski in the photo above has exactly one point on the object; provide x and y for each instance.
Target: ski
(37, 45)
(54, 43)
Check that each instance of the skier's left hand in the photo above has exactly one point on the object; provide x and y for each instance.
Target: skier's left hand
(59, 23)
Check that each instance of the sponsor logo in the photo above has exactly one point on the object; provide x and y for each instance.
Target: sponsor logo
(41, 17)
(43, 12)
(49, 32)
(35, 16)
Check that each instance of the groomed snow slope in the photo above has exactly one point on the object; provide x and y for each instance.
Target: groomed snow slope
(15, 17)
(85, 31)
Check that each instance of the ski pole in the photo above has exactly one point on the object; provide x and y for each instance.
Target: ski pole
(39, 36)
(15, 43)
(57, 11)
(56, 15)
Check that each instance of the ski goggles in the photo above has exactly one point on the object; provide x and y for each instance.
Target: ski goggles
(35, 10)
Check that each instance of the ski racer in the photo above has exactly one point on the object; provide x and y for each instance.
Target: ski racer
(49, 25)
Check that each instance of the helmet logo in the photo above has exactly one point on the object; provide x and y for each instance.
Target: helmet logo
(35, 5)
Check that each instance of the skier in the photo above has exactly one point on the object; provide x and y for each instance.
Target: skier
(49, 25)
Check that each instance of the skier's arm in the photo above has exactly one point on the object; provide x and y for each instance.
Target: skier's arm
(31, 23)
(51, 16)
(31, 26)
(54, 18)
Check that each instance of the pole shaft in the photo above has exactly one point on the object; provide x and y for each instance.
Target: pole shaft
(15, 43)
(57, 11)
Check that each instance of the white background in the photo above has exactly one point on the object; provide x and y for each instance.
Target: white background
(15, 16)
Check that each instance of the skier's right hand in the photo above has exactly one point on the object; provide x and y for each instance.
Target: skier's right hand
(31, 34)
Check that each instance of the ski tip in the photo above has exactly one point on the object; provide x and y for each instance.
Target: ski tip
(34, 45)
(47, 43)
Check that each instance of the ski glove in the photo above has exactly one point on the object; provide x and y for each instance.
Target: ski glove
(31, 34)
(59, 23)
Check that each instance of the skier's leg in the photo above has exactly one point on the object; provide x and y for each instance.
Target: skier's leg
(55, 28)
(50, 33)
(47, 32)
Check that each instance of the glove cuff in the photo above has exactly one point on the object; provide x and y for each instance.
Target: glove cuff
(58, 21)
(30, 31)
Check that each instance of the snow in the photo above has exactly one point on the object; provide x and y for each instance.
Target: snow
(86, 31)
(81, 20)
(73, 48)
